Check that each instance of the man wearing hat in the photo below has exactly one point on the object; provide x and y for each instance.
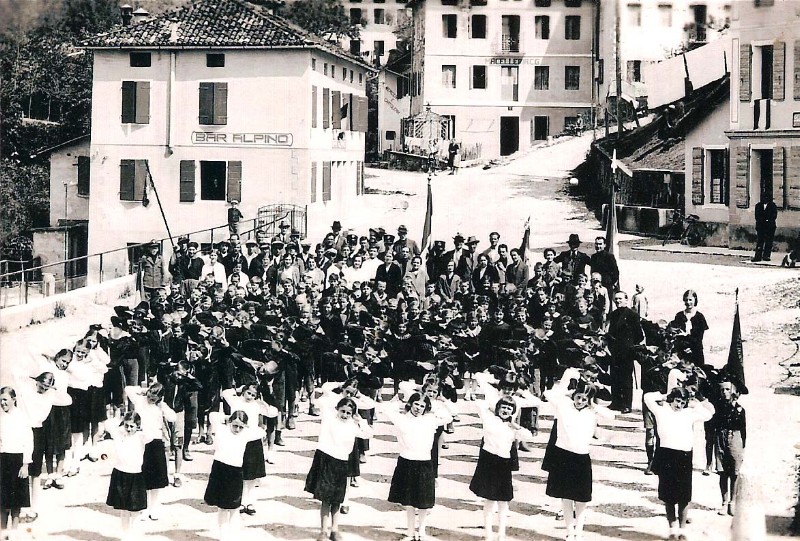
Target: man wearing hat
(338, 237)
(469, 259)
(376, 238)
(177, 251)
(258, 265)
(152, 274)
(250, 253)
(573, 261)
(284, 236)
(605, 263)
(436, 261)
(455, 254)
(234, 216)
(403, 241)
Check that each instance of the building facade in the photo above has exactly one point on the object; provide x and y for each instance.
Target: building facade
(508, 73)
(377, 20)
(216, 102)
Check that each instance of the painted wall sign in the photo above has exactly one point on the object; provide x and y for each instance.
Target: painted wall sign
(248, 139)
(513, 60)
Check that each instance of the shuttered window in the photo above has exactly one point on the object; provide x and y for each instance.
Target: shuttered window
(347, 111)
(83, 175)
(793, 178)
(135, 102)
(717, 160)
(778, 70)
(213, 104)
(362, 109)
(336, 110)
(797, 70)
(745, 55)
(698, 167)
(742, 177)
(326, 181)
(313, 182)
(187, 181)
(778, 177)
(313, 106)
(326, 108)
(132, 179)
(220, 181)
(234, 181)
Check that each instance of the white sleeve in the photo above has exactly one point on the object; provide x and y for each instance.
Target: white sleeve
(169, 414)
(267, 410)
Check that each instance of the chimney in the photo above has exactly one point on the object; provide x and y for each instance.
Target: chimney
(140, 15)
(126, 14)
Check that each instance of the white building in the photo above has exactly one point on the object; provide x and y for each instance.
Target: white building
(217, 101)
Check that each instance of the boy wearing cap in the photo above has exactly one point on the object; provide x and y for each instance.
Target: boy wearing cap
(234, 215)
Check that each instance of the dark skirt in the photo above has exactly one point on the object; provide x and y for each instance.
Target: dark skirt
(547, 460)
(78, 410)
(253, 461)
(96, 405)
(728, 451)
(413, 484)
(570, 475)
(57, 431)
(492, 477)
(354, 460)
(154, 465)
(35, 468)
(14, 492)
(674, 470)
(225, 485)
(435, 451)
(127, 491)
(327, 478)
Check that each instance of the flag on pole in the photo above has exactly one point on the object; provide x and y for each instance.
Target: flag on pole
(426, 228)
(612, 243)
(526, 240)
(735, 365)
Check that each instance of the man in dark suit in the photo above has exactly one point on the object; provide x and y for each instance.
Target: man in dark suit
(455, 254)
(436, 262)
(517, 272)
(766, 216)
(469, 259)
(606, 264)
(573, 261)
(448, 283)
(624, 334)
(481, 273)
(391, 273)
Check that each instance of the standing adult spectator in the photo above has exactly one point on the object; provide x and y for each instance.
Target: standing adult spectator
(606, 264)
(339, 238)
(624, 334)
(403, 241)
(436, 261)
(453, 156)
(481, 273)
(469, 260)
(492, 252)
(151, 266)
(766, 215)
(177, 252)
(455, 254)
(448, 283)
(433, 156)
(517, 272)
(190, 268)
(391, 273)
(693, 325)
(573, 261)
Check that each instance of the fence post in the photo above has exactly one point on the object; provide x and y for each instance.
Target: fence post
(101, 268)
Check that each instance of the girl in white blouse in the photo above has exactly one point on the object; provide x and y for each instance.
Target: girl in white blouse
(327, 479)
(126, 489)
(16, 450)
(57, 428)
(414, 482)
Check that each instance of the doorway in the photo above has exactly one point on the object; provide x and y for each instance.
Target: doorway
(541, 128)
(509, 135)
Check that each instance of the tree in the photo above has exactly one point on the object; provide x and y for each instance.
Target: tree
(325, 18)
(24, 190)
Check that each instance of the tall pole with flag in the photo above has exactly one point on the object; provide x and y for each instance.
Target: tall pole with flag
(426, 226)
(735, 365)
(612, 243)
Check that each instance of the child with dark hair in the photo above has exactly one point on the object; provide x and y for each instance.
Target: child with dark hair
(127, 490)
(180, 388)
(730, 437)
(57, 436)
(16, 453)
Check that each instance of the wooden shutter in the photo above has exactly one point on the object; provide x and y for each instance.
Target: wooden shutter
(359, 178)
(363, 109)
(336, 110)
(187, 189)
(326, 108)
(744, 72)
(742, 177)
(797, 69)
(347, 113)
(313, 182)
(127, 172)
(206, 103)
(84, 164)
(698, 168)
(140, 180)
(779, 70)
(351, 114)
(234, 181)
(778, 177)
(793, 179)
(220, 103)
(128, 102)
(143, 102)
(313, 106)
(326, 181)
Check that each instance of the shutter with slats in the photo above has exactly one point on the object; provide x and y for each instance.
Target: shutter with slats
(313, 106)
(206, 103)
(234, 181)
(778, 177)
(793, 179)
(697, 176)
(220, 103)
(336, 110)
(313, 182)
(742, 175)
(127, 173)
(351, 113)
(187, 189)
(744, 72)
(346, 114)
(128, 102)
(326, 181)
(778, 70)
(84, 165)
(140, 180)
(797, 70)
(326, 108)
(143, 102)
(363, 108)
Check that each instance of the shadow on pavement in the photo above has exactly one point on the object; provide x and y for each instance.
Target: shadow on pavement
(378, 505)
(306, 504)
(196, 504)
(621, 532)
(84, 535)
(621, 510)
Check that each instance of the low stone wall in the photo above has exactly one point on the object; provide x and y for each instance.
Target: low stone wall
(111, 292)
(646, 220)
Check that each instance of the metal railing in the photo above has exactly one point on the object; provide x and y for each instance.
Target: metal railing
(29, 282)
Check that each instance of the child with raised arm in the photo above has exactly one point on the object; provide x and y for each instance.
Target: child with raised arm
(341, 425)
(127, 490)
(246, 399)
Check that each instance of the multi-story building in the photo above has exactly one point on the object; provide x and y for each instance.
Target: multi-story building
(378, 20)
(506, 72)
(213, 102)
(651, 31)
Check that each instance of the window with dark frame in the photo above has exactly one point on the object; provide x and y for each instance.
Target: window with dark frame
(572, 3)
(509, 83)
(213, 104)
(542, 26)
(132, 179)
(378, 49)
(449, 26)
(84, 164)
(479, 76)
(355, 16)
(718, 174)
(380, 16)
(140, 60)
(213, 180)
(541, 77)
(572, 27)
(215, 60)
(634, 71)
(572, 77)
(542, 3)
(135, 102)
(448, 76)
(478, 27)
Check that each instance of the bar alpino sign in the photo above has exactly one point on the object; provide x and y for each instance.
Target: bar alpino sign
(242, 139)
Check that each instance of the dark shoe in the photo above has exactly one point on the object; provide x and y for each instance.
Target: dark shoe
(291, 424)
(625, 411)
(524, 446)
(186, 456)
(201, 438)
(47, 483)
(58, 483)
(248, 510)
(445, 446)
(354, 482)
(279, 439)
(649, 470)
(344, 509)
(177, 482)
(313, 410)
(756, 259)
(209, 439)
(335, 536)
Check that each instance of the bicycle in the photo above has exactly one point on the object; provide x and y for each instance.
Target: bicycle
(686, 229)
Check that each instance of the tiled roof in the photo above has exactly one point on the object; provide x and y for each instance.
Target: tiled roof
(215, 24)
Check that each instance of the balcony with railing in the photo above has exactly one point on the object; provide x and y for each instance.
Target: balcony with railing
(508, 44)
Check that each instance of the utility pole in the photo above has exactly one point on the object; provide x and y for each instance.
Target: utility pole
(618, 67)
